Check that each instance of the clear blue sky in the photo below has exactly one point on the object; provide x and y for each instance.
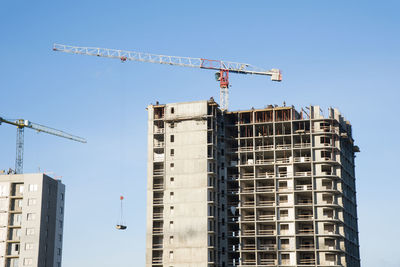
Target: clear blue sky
(343, 54)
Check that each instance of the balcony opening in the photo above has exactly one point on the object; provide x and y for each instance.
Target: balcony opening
(159, 113)
(328, 213)
(327, 184)
(327, 198)
(325, 140)
(245, 117)
(326, 155)
(329, 228)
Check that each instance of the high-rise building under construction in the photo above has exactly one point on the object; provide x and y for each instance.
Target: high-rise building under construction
(260, 187)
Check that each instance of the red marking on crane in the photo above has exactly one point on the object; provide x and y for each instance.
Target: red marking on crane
(121, 197)
(123, 59)
(224, 78)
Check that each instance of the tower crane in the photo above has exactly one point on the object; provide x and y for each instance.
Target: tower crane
(21, 125)
(223, 68)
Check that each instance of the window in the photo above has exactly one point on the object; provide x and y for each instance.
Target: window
(172, 138)
(17, 218)
(171, 195)
(31, 201)
(30, 231)
(284, 228)
(172, 180)
(328, 213)
(285, 257)
(28, 246)
(283, 184)
(171, 210)
(3, 190)
(172, 152)
(283, 199)
(210, 211)
(18, 232)
(210, 256)
(171, 255)
(33, 187)
(284, 213)
(284, 243)
(171, 239)
(172, 110)
(210, 240)
(171, 225)
(30, 216)
(330, 257)
(211, 226)
(172, 166)
(28, 261)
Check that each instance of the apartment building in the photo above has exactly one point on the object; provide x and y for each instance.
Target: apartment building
(31, 220)
(260, 187)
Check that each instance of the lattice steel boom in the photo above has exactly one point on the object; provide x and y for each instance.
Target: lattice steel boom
(223, 67)
(21, 125)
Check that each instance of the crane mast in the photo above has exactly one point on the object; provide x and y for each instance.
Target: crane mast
(21, 125)
(223, 68)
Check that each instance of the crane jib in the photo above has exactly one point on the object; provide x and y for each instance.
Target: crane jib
(223, 68)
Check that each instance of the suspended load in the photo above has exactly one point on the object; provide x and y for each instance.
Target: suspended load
(121, 225)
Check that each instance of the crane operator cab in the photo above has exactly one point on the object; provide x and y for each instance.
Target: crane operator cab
(121, 225)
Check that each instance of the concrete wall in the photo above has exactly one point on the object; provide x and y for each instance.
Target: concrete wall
(189, 217)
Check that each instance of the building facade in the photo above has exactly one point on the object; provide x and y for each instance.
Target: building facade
(261, 187)
(31, 220)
